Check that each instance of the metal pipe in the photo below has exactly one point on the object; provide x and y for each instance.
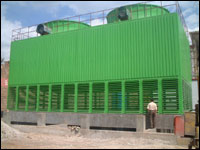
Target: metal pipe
(90, 19)
(103, 17)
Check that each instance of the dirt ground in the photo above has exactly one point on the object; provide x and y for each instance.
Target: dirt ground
(35, 140)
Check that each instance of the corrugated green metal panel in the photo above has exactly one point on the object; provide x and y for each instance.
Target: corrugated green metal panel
(185, 68)
(143, 48)
(186, 71)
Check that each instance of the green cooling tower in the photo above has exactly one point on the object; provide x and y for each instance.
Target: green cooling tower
(113, 68)
(60, 26)
(136, 11)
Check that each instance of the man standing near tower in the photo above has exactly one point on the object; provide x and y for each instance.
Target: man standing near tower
(152, 109)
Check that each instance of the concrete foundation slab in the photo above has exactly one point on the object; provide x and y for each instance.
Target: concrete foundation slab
(41, 121)
(85, 121)
(165, 122)
(140, 123)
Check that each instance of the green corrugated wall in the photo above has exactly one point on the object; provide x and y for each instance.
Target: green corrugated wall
(146, 51)
(185, 73)
(142, 48)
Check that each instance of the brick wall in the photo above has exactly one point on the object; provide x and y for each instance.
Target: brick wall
(3, 98)
(4, 85)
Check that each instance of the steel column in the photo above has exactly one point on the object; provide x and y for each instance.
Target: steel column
(180, 89)
(106, 98)
(160, 94)
(50, 94)
(17, 98)
(123, 98)
(141, 97)
(90, 97)
(38, 98)
(76, 98)
(27, 97)
(62, 98)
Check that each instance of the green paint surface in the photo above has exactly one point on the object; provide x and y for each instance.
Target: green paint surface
(144, 48)
(133, 60)
(65, 25)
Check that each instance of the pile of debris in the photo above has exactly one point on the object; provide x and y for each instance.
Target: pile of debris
(8, 132)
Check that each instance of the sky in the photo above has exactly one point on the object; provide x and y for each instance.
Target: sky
(17, 14)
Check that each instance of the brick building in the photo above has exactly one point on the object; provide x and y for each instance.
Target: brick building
(4, 84)
(195, 54)
(195, 66)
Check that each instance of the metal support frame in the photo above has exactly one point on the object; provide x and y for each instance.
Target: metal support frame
(28, 32)
(90, 19)
(106, 98)
(103, 16)
(49, 99)
(180, 93)
(76, 98)
(160, 95)
(38, 98)
(17, 98)
(18, 34)
(123, 98)
(79, 22)
(90, 96)
(62, 98)
(160, 85)
(176, 6)
(141, 96)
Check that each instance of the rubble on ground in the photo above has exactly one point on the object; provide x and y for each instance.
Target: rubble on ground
(8, 132)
